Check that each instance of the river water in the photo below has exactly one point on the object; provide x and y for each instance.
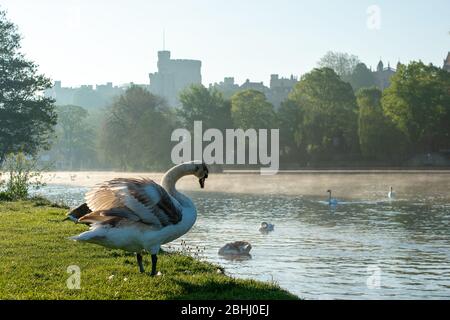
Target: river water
(366, 247)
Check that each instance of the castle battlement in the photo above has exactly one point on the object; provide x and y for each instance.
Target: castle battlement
(187, 61)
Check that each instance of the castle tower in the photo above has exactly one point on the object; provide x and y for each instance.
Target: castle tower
(163, 60)
(380, 66)
(447, 63)
(383, 76)
(173, 76)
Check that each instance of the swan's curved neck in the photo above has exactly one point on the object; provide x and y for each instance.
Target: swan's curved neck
(171, 177)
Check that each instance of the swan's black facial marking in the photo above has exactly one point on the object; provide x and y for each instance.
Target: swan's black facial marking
(203, 173)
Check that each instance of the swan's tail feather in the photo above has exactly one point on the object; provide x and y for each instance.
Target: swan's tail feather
(80, 237)
(88, 236)
(75, 238)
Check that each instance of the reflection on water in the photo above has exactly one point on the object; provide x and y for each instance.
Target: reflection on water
(318, 252)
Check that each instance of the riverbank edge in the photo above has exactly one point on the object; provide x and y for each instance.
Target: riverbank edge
(40, 221)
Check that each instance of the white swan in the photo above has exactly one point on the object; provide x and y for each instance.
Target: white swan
(331, 201)
(238, 248)
(266, 227)
(391, 193)
(139, 215)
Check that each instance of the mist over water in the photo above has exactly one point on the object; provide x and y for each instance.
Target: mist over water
(318, 252)
(368, 185)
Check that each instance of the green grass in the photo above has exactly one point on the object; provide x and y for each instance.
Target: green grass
(35, 254)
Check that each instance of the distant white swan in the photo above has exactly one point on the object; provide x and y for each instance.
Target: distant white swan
(331, 201)
(266, 227)
(391, 193)
(139, 215)
(237, 248)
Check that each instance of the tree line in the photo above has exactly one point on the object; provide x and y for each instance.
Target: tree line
(324, 121)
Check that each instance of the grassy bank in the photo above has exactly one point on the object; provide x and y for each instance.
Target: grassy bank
(35, 254)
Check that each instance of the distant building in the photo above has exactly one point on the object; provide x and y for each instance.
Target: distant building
(85, 96)
(63, 96)
(280, 89)
(173, 76)
(258, 86)
(383, 75)
(447, 63)
(227, 87)
(277, 92)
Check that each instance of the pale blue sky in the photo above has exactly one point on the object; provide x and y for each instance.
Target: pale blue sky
(95, 41)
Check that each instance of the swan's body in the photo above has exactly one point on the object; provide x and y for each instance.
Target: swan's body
(391, 193)
(266, 227)
(139, 215)
(332, 201)
(238, 248)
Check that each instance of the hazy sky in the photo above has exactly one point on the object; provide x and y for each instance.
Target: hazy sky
(95, 41)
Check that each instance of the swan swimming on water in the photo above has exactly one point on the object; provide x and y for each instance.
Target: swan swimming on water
(331, 201)
(238, 248)
(266, 227)
(391, 193)
(138, 215)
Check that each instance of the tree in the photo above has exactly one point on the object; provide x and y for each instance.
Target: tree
(327, 128)
(75, 142)
(206, 105)
(27, 118)
(136, 133)
(418, 102)
(378, 137)
(290, 116)
(361, 77)
(342, 63)
(23, 174)
(251, 110)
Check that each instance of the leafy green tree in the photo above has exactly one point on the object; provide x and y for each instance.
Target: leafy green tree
(342, 63)
(206, 105)
(74, 147)
(378, 137)
(328, 125)
(27, 118)
(136, 133)
(361, 77)
(290, 117)
(250, 109)
(418, 102)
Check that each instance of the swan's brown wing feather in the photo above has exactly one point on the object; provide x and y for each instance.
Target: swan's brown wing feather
(156, 199)
(143, 197)
(105, 215)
